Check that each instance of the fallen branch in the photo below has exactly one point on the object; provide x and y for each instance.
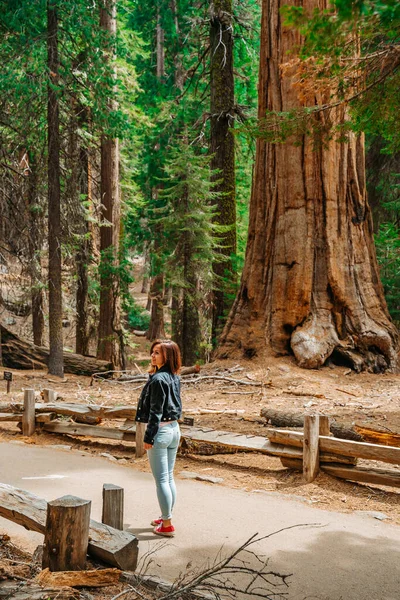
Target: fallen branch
(230, 379)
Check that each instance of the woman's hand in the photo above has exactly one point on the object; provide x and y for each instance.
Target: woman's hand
(147, 446)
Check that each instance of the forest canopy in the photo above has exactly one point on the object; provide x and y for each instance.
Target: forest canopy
(131, 135)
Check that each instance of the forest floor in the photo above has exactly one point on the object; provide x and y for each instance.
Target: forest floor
(365, 399)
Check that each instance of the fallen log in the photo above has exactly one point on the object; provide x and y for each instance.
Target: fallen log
(19, 354)
(116, 548)
(92, 578)
(364, 475)
(33, 591)
(279, 418)
(375, 436)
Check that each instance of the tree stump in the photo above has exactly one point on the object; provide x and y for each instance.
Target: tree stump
(67, 534)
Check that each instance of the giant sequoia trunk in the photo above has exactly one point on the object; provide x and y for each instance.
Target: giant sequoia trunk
(222, 149)
(310, 284)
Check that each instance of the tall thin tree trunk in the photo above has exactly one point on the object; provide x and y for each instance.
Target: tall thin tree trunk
(222, 148)
(160, 47)
(35, 244)
(56, 361)
(109, 322)
(310, 283)
(83, 255)
(157, 328)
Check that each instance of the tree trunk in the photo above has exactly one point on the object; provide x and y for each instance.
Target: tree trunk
(310, 283)
(55, 279)
(176, 315)
(84, 253)
(156, 327)
(222, 149)
(109, 321)
(191, 334)
(35, 244)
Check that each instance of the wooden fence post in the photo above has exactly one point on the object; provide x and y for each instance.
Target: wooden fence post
(28, 416)
(49, 396)
(324, 425)
(66, 535)
(311, 447)
(113, 506)
(140, 430)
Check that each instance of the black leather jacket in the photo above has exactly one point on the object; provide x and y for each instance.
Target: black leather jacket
(160, 400)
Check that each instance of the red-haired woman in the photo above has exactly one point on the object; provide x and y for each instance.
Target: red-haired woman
(160, 407)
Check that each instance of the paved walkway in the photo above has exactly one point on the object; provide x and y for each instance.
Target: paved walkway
(334, 556)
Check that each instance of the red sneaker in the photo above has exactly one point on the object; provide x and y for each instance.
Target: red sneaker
(165, 531)
(156, 522)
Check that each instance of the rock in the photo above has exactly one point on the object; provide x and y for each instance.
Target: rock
(109, 456)
(192, 475)
(374, 514)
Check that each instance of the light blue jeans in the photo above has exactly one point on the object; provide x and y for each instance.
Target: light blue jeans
(162, 461)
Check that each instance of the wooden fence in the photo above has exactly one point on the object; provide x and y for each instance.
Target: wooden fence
(309, 451)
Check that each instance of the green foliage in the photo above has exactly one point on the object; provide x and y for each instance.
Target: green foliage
(138, 318)
(353, 48)
(187, 217)
(388, 253)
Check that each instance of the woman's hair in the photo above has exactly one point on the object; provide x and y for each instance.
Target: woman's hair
(171, 355)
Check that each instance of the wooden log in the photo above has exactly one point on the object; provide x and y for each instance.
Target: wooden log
(190, 370)
(66, 534)
(113, 433)
(311, 447)
(34, 591)
(388, 454)
(278, 418)
(292, 463)
(91, 578)
(83, 410)
(28, 416)
(8, 417)
(374, 436)
(364, 475)
(140, 431)
(335, 446)
(113, 506)
(45, 417)
(116, 548)
(19, 354)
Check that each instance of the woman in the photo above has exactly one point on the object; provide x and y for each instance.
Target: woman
(160, 407)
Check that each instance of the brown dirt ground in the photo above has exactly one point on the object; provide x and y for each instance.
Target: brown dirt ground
(371, 400)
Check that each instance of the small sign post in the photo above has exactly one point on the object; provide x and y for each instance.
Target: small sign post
(188, 421)
(8, 377)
